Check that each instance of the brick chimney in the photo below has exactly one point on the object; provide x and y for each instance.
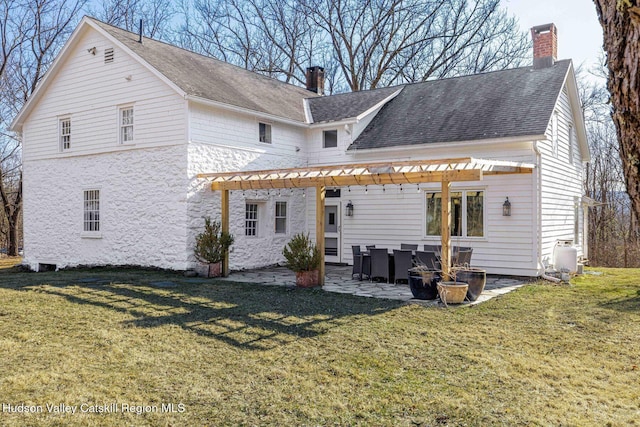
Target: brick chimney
(315, 79)
(545, 45)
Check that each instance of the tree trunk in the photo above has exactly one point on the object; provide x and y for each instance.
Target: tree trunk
(620, 21)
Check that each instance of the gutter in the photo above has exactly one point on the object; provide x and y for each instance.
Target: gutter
(537, 217)
(446, 145)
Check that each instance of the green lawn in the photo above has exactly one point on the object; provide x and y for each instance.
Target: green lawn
(237, 354)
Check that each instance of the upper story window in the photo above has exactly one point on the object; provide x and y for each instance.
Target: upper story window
(65, 134)
(467, 213)
(554, 133)
(330, 139)
(126, 124)
(281, 217)
(92, 210)
(571, 140)
(264, 132)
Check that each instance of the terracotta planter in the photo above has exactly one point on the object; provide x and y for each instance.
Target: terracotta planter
(308, 279)
(476, 278)
(452, 292)
(210, 270)
(421, 288)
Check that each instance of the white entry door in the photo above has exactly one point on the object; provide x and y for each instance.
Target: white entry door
(332, 231)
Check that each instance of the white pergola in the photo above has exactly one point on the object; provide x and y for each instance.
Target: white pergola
(444, 171)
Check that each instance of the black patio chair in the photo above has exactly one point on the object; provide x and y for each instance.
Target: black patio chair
(402, 262)
(379, 263)
(432, 248)
(408, 246)
(463, 257)
(430, 259)
(357, 262)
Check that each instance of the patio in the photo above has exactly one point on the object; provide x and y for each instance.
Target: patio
(338, 279)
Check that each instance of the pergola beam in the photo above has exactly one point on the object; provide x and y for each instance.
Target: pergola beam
(444, 171)
(348, 180)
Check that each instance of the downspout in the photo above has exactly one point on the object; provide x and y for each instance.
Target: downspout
(537, 217)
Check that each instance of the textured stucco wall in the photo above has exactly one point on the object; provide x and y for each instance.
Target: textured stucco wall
(247, 251)
(143, 209)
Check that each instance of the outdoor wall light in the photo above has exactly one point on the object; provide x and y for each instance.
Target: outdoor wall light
(349, 208)
(506, 208)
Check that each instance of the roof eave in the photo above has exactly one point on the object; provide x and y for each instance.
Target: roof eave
(229, 107)
(578, 114)
(85, 22)
(452, 144)
(18, 120)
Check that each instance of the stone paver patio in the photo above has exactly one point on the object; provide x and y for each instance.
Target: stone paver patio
(338, 279)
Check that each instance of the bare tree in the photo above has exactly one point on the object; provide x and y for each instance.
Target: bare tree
(155, 14)
(272, 37)
(612, 225)
(620, 21)
(373, 43)
(33, 32)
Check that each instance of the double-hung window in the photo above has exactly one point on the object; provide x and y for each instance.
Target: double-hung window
(65, 134)
(251, 219)
(264, 132)
(467, 213)
(92, 211)
(281, 217)
(126, 124)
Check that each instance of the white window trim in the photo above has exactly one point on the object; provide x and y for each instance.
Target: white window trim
(121, 109)
(93, 234)
(60, 135)
(286, 217)
(324, 143)
(464, 191)
(554, 134)
(571, 138)
(270, 133)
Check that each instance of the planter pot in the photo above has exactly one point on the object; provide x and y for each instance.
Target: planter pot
(452, 292)
(424, 287)
(476, 278)
(213, 269)
(308, 279)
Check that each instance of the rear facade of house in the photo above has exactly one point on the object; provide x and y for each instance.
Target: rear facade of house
(116, 134)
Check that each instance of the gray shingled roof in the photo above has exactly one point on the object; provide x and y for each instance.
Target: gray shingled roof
(215, 80)
(347, 105)
(509, 103)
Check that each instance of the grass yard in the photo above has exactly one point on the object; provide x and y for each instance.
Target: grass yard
(237, 354)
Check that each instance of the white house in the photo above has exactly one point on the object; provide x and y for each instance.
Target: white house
(117, 133)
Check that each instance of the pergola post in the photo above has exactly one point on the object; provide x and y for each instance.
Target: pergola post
(445, 231)
(224, 207)
(320, 194)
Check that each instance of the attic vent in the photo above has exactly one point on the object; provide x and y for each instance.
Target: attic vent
(108, 55)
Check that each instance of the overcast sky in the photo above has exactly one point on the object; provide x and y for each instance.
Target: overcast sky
(579, 32)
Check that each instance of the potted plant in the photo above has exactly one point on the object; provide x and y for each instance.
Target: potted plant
(423, 282)
(454, 290)
(476, 278)
(303, 257)
(211, 246)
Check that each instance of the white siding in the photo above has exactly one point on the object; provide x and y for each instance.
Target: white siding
(391, 217)
(561, 184)
(224, 141)
(90, 92)
(143, 186)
